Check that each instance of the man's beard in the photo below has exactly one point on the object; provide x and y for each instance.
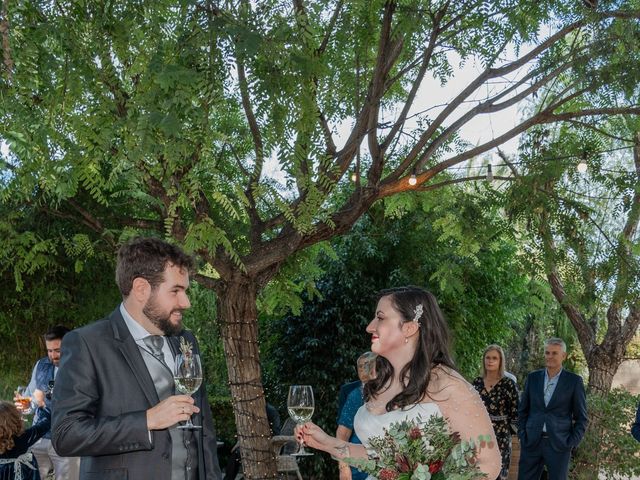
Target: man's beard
(161, 319)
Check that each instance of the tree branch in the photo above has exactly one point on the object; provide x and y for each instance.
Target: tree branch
(332, 23)
(256, 136)
(506, 160)
(598, 130)
(487, 106)
(6, 45)
(435, 186)
(388, 52)
(541, 118)
(624, 248)
(479, 81)
(585, 333)
(426, 58)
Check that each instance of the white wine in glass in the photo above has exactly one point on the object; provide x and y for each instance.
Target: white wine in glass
(300, 405)
(188, 378)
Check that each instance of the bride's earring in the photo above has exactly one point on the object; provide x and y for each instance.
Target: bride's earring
(406, 339)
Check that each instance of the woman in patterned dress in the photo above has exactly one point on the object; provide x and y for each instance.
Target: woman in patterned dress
(500, 395)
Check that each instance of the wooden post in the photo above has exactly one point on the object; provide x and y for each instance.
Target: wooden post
(515, 458)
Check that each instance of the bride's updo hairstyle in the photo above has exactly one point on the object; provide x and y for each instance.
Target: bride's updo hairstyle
(432, 347)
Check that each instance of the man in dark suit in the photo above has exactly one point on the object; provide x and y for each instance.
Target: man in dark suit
(114, 395)
(552, 416)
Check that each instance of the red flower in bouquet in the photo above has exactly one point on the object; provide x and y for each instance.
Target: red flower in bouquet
(403, 464)
(387, 474)
(435, 467)
(415, 433)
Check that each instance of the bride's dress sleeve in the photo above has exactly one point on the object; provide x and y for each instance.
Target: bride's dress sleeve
(460, 403)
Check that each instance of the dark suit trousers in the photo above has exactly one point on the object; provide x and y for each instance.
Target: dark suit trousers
(532, 459)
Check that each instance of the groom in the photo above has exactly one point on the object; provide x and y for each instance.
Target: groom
(114, 395)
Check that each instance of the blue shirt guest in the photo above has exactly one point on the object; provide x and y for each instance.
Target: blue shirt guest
(16, 458)
(43, 378)
(552, 416)
(348, 407)
(114, 397)
(635, 427)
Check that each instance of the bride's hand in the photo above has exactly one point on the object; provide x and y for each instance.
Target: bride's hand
(313, 436)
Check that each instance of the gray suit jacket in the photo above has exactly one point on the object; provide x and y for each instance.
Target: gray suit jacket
(102, 392)
(565, 416)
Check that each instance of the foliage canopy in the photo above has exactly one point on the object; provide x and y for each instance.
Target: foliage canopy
(216, 123)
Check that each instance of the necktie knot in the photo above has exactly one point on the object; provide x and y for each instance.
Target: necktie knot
(155, 344)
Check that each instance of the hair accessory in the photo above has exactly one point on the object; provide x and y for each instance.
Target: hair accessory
(418, 312)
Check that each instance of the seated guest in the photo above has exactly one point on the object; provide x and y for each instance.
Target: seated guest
(347, 412)
(15, 440)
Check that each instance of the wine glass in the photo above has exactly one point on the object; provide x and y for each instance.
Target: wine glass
(23, 399)
(188, 377)
(300, 405)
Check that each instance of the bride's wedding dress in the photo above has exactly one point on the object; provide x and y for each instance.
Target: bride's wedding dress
(452, 397)
(367, 424)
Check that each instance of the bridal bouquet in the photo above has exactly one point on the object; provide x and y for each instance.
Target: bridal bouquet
(417, 450)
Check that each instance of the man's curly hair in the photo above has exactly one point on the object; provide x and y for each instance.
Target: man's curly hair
(11, 425)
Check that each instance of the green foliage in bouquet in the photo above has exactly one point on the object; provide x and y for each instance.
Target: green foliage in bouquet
(422, 450)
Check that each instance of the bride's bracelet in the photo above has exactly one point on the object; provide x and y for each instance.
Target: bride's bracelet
(342, 450)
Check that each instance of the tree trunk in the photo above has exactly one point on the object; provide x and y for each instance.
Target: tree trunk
(239, 326)
(603, 365)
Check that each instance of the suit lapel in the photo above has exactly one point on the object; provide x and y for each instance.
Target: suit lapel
(540, 385)
(131, 353)
(174, 345)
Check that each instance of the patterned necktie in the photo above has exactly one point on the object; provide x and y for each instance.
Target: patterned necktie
(155, 344)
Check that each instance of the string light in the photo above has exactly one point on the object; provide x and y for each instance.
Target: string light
(412, 179)
(582, 166)
(354, 176)
(547, 159)
(489, 173)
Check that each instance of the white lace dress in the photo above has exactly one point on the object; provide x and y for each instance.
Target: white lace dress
(367, 424)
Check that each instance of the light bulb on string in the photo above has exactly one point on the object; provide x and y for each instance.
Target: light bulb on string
(412, 179)
(582, 166)
(489, 173)
(354, 176)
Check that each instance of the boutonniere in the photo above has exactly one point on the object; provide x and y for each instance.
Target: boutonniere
(186, 347)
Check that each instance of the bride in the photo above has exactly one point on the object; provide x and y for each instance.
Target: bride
(415, 376)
